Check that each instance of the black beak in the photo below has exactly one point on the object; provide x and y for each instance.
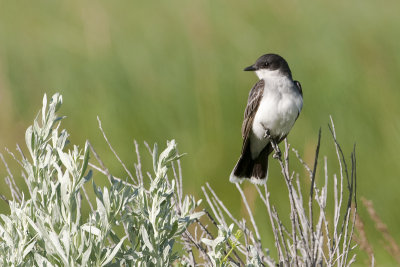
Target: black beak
(250, 68)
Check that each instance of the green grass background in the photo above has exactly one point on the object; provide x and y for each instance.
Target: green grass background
(157, 70)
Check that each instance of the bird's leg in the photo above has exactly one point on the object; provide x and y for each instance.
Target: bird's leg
(277, 152)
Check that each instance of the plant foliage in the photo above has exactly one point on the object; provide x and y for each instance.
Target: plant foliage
(46, 227)
(138, 223)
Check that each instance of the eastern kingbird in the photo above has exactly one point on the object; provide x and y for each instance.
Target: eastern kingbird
(273, 106)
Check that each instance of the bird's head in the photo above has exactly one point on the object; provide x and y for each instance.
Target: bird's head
(270, 65)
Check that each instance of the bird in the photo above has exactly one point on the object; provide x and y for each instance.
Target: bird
(273, 106)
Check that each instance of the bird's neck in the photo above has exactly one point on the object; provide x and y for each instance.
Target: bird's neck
(267, 75)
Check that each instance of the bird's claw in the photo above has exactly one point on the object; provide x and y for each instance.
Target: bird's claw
(277, 155)
(267, 134)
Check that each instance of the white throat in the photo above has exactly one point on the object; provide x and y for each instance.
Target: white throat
(268, 74)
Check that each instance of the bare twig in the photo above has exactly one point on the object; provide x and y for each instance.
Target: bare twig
(249, 212)
(3, 197)
(200, 248)
(139, 173)
(104, 168)
(115, 153)
(312, 194)
(87, 198)
(222, 204)
(15, 192)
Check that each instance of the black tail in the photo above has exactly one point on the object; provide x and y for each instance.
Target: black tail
(254, 169)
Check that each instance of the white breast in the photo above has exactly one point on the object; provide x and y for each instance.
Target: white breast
(277, 112)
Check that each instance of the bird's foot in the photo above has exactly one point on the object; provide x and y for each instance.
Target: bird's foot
(267, 134)
(277, 154)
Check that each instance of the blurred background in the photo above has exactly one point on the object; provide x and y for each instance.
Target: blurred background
(153, 71)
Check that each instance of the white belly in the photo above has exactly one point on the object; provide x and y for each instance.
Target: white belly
(277, 112)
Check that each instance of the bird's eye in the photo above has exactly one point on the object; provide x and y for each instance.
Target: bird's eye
(266, 64)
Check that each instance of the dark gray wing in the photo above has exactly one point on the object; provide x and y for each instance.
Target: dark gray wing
(253, 102)
(298, 86)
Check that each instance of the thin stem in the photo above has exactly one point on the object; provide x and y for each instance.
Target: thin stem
(115, 153)
(249, 211)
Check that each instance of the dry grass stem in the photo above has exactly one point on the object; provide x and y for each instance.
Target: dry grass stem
(312, 238)
(391, 245)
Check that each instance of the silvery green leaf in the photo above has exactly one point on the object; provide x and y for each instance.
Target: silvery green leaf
(28, 249)
(55, 103)
(34, 226)
(53, 238)
(47, 159)
(6, 220)
(86, 255)
(167, 251)
(174, 229)
(169, 151)
(65, 159)
(46, 130)
(59, 118)
(97, 190)
(54, 137)
(219, 240)
(65, 240)
(145, 237)
(83, 180)
(44, 108)
(58, 99)
(106, 200)
(91, 229)
(196, 215)
(85, 159)
(88, 176)
(36, 127)
(29, 139)
(7, 238)
(42, 261)
(64, 188)
(168, 155)
(62, 139)
(102, 212)
(155, 210)
(155, 158)
(208, 242)
(75, 151)
(110, 257)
